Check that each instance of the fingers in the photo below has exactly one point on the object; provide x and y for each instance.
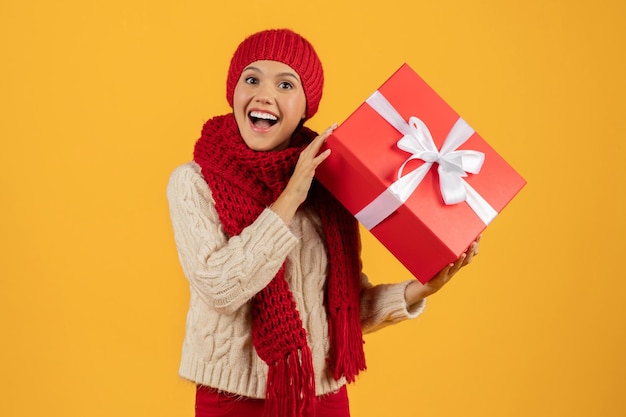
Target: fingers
(453, 268)
(299, 184)
(321, 157)
(458, 264)
(472, 250)
(310, 156)
(445, 275)
(465, 258)
(327, 132)
(477, 244)
(317, 143)
(308, 161)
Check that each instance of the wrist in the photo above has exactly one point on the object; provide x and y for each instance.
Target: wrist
(414, 293)
(284, 207)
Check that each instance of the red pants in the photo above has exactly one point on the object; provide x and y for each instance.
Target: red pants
(211, 403)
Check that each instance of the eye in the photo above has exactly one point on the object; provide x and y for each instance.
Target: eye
(285, 85)
(251, 80)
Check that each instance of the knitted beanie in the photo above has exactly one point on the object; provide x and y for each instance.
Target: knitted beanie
(286, 46)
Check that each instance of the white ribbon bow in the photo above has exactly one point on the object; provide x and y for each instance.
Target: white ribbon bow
(453, 166)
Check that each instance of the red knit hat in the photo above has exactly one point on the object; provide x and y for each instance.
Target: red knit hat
(286, 46)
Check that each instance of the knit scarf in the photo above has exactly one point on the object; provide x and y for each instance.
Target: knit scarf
(243, 183)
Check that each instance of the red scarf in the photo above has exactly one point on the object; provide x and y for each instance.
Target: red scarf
(243, 183)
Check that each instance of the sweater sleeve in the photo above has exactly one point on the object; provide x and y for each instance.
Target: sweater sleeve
(225, 272)
(384, 304)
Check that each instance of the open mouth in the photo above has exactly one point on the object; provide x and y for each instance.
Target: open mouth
(262, 120)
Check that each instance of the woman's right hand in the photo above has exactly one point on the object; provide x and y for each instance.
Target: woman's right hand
(298, 186)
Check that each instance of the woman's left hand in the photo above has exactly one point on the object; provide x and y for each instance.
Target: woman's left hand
(298, 186)
(416, 291)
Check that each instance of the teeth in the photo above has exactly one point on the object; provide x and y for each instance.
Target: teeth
(265, 116)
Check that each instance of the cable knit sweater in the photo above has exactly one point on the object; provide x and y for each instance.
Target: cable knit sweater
(224, 274)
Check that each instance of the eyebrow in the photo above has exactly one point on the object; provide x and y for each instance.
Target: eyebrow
(281, 74)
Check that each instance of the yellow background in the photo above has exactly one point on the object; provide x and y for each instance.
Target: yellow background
(100, 100)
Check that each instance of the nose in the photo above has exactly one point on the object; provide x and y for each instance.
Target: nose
(264, 95)
(260, 98)
(263, 99)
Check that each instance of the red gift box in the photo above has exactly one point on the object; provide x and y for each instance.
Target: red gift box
(405, 133)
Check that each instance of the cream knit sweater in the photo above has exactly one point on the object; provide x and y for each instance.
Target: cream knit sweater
(224, 274)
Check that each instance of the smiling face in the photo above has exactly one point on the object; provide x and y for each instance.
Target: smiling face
(268, 104)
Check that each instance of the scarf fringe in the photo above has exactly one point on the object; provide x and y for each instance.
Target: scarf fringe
(291, 386)
(347, 343)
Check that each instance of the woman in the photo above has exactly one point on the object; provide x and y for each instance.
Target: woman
(278, 300)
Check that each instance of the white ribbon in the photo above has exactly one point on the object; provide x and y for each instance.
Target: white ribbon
(453, 167)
